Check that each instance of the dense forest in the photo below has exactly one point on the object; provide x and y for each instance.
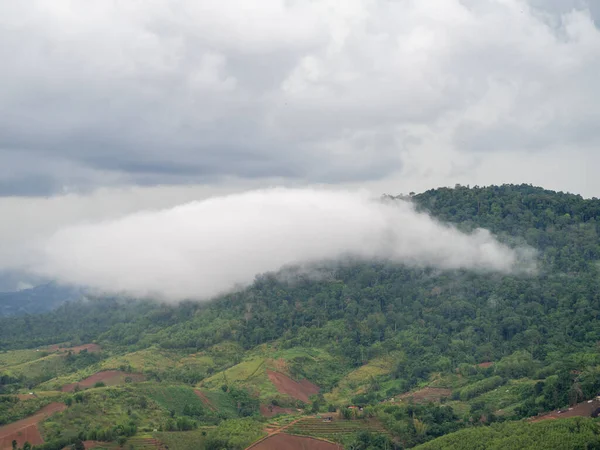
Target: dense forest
(542, 326)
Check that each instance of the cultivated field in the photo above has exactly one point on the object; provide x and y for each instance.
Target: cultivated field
(175, 398)
(289, 442)
(178, 440)
(26, 430)
(108, 377)
(335, 430)
(16, 357)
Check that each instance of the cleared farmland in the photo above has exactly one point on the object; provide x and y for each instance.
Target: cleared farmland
(334, 430)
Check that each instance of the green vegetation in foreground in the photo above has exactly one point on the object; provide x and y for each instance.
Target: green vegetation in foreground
(563, 434)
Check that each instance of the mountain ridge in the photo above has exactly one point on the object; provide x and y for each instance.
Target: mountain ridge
(484, 347)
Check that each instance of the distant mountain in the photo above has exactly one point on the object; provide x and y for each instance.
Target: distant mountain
(16, 280)
(36, 300)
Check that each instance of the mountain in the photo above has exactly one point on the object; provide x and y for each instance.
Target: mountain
(37, 299)
(421, 353)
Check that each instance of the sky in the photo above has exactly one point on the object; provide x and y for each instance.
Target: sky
(108, 108)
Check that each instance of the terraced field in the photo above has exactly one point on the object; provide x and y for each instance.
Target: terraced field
(145, 443)
(141, 442)
(335, 430)
(289, 442)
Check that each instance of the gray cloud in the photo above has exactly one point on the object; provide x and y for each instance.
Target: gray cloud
(201, 249)
(198, 92)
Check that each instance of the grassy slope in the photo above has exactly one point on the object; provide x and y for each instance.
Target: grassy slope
(16, 357)
(173, 398)
(38, 368)
(358, 380)
(250, 373)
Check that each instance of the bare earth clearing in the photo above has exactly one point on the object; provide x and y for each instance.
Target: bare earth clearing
(583, 409)
(298, 390)
(108, 377)
(26, 430)
(289, 442)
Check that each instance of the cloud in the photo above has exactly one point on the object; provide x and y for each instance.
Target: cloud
(201, 249)
(127, 93)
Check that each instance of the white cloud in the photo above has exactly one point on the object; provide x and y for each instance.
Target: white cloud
(200, 249)
(126, 102)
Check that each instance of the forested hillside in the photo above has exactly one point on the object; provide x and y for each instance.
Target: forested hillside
(502, 347)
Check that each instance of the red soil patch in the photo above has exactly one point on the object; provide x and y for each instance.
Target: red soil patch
(205, 399)
(425, 395)
(583, 409)
(485, 365)
(29, 433)
(298, 390)
(26, 430)
(270, 410)
(290, 442)
(108, 377)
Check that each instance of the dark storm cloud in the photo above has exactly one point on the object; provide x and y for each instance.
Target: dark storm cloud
(29, 185)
